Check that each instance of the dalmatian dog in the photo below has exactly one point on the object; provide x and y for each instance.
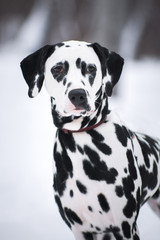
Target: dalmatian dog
(104, 172)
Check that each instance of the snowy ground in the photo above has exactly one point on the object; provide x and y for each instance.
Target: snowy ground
(27, 206)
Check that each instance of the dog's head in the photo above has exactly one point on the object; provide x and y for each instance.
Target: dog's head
(75, 73)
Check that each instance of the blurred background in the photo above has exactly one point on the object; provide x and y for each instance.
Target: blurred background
(129, 27)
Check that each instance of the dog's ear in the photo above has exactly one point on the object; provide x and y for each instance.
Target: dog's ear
(33, 69)
(112, 63)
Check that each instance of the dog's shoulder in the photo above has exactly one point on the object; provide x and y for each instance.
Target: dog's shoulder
(115, 128)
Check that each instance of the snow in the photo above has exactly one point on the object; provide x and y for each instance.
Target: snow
(28, 210)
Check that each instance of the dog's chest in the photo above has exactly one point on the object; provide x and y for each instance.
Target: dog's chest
(88, 174)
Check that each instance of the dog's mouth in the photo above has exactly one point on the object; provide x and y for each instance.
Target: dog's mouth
(86, 108)
(78, 111)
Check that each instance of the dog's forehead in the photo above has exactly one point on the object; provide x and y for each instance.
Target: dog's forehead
(72, 50)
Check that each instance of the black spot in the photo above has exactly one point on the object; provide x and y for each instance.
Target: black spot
(61, 176)
(90, 209)
(98, 229)
(67, 141)
(97, 169)
(81, 187)
(83, 83)
(60, 70)
(138, 196)
(78, 63)
(103, 147)
(60, 44)
(126, 229)
(72, 216)
(119, 191)
(71, 193)
(64, 81)
(128, 186)
(131, 164)
(83, 68)
(88, 236)
(91, 72)
(103, 202)
(80, 149)
(91, 79)
(121, 134)
(149, 179)
(58, 201)
(130, 207)
(69, 84)
(125, 170)
(97, 139)
(96, 135)
(106, 237)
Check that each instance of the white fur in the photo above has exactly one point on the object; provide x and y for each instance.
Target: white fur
(57, 89)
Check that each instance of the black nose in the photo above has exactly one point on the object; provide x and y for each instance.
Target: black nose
(78, 97)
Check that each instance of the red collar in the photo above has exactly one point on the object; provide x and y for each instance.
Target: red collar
(84, 129)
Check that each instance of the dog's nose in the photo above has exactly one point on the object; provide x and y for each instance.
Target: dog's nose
(78, 97)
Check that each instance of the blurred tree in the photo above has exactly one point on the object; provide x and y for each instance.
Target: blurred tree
(12, 15)
(149, 43)
(128, 26)
(141, 33)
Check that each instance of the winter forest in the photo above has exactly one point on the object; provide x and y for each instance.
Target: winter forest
(128, 27)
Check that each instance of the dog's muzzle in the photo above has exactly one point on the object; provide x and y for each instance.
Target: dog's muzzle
(78, 98)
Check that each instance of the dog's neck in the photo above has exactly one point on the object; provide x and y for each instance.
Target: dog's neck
(86, 128)
(79, 123)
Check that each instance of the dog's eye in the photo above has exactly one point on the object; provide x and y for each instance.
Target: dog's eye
(58, 69)
(91, 68)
